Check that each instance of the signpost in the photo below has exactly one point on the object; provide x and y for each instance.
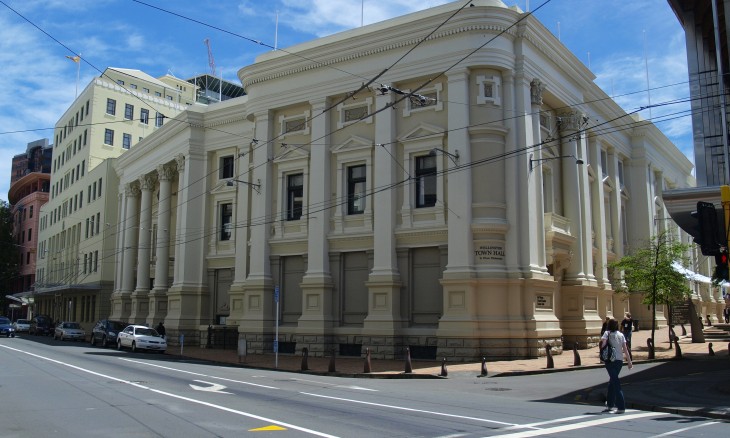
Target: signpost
(276, 337)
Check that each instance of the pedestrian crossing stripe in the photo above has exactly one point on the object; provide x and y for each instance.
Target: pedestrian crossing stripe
(267, 429)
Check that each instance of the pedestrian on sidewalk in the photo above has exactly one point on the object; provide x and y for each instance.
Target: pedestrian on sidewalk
(626, 326)
(161, 330)
(613, 338)
(726, 314)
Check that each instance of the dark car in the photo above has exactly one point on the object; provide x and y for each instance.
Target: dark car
(105, 332)
(6, 327)
(41, 325)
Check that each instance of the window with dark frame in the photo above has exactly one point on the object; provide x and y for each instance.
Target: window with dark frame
(144, 116)
(356, 189)
(226, 217)
(128, 111)
(159, 119)
(109, 136)
(294, 196)
(425, 181)
(126, 141)
(226, 167)
(111, 107)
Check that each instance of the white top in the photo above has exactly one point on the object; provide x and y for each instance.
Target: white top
(616, 340)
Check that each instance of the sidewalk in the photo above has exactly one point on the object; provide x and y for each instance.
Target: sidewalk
(350, 366)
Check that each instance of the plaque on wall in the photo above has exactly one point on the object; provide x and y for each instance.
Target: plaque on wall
(488, 252)
(543, 301)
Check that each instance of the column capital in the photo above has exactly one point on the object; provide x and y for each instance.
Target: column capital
(147, 182)
(180, 161)
(165, 172)
(536, 89)
(571, 120)
(131, 190)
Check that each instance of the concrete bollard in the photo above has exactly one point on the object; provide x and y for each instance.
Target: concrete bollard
(366, 369)
(444, 373)
(409, 368)
(650, 347)
(711, 351)
(332, 368)
(576, 356)
(549, 355)
(305, 362)
(677, 349)
(484, 366)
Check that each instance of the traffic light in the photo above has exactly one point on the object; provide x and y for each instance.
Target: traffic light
(721, 267)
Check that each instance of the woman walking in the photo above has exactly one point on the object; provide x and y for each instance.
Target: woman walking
(613, 338)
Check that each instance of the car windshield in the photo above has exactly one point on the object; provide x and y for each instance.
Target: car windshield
(71, 325)
(116, 325)
(4, 321)
(23, 321)
(146, 332)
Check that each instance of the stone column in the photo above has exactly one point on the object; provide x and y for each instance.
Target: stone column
(384, 282)
(158, 296)
(116, 300)
(131, 224)
(536, 180)
(140, 299)
(317, 318)
(241, 235)
(181, 181)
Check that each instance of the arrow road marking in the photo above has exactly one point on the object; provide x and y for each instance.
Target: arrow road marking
(214, 387)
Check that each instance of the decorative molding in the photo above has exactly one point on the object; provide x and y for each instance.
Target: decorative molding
(536, 89)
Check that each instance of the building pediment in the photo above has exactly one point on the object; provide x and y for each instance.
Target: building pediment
(354, 143)
(424, 131)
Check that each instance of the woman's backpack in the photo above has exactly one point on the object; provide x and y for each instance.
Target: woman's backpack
(608, 352)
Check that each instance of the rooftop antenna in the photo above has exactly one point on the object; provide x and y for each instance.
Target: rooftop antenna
(589, 60)
(211, 61)
(276, 31)
(527, 6)
(362, 13)
(558, 31)
(646, 67)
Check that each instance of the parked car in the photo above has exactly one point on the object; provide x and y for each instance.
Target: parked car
(69, 330)
(21, 325)
(40, 325)
(105, 332)
(139, 337)
(6, 327)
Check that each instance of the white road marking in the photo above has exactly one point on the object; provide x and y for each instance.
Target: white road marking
(463, 417)
(542, 423)
(585, 424)
(360, 388)
(672, 432)
(168, 394)
(214, 387)
(197, 374)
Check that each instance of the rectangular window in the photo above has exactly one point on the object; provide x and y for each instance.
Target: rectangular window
(99, 192)
(356, 187)
(226, 217)
(96, 261)
(109, 137)
(30, 234)
(159, 119)
(425, 181)
(87, 227)
(144, 116)
(133, 86)
(31, 212)
(128, 111)
(126, 141)
(111, 107)
(145, 89)
(294, 196)
(226, 168)
(98, 221)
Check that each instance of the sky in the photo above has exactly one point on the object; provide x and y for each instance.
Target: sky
(629, 45)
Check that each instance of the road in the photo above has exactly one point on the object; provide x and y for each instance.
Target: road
(60, 389)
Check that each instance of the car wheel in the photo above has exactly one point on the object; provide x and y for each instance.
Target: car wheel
(103, 342)
(119, 345)
(134, 347)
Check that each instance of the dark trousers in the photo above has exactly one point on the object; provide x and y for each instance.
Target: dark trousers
(615, 396)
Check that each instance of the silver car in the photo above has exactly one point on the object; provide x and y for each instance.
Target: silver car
(69, 330)
(21, 325)
(139, 337)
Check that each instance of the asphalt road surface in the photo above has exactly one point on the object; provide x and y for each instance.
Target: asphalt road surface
(64, 389)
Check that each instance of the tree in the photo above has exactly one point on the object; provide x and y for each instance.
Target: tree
(8, 252)
(649, 270)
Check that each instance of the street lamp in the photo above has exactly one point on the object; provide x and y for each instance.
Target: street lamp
(537, 160)
(454, 157)
(256, 186)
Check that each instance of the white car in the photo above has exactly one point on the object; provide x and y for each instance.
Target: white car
(139, 337)
(21, 325)
(69, 330)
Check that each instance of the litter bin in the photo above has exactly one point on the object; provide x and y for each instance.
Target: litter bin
(636, 325)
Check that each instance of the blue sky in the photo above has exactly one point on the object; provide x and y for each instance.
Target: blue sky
(39, 83)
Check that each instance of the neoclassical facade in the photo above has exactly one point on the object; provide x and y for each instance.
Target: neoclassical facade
(464, 204)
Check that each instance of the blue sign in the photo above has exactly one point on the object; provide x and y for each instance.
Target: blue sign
(276, 294)
(276, 346)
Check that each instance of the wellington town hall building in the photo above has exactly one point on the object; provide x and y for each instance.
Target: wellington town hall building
(456, 186)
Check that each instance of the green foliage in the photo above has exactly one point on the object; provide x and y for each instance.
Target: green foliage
(8, 251)
(648, 270)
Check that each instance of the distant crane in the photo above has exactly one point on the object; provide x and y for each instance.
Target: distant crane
(211, 61)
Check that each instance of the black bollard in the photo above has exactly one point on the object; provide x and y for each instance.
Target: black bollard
(677, 349)
(210, 333)
(650, 346)
(672, 335)
(409, 368)
(684, 330)
(549, 355)
(305, 354)
(576, 356)
(444, 373)
(332, 368)
(366, 370)
(709, 347)
(484, 366)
